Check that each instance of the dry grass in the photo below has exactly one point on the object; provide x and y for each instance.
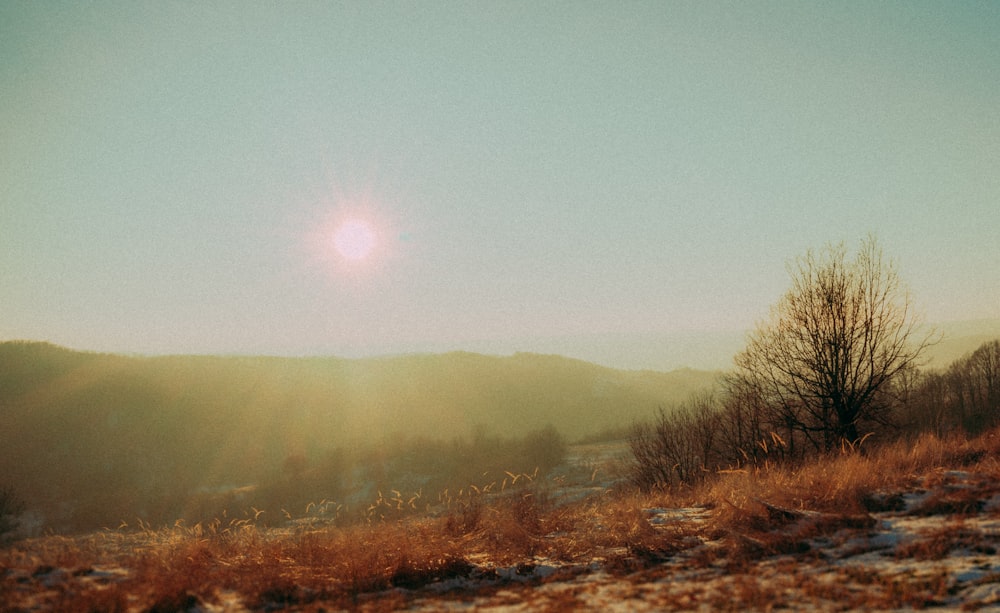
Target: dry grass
(752, 516)
(175, 568)
(850, 482)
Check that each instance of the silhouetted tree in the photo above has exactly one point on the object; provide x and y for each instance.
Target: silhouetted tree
(977, 386)
(11, 508)
(966, 395)
(545, 448)
(825, 360)
(746, 435)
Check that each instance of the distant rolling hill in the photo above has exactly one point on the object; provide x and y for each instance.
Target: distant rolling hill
(667, 351)
(73, 423)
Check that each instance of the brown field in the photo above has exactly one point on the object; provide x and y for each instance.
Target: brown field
(911, 525)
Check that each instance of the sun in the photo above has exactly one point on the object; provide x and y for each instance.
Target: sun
(355, 239)
(354, 236)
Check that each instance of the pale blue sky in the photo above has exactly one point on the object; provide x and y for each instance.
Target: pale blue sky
(171, 172)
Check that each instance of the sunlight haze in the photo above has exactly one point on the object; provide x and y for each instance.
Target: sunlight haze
(363, 178)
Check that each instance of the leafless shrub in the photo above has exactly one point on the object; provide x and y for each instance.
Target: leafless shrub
(678, 447)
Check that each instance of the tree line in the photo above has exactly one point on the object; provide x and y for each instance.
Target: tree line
(837, 362)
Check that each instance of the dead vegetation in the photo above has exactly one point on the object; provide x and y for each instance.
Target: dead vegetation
(783, 523)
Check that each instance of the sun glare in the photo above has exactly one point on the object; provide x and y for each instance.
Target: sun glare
(354, 239)
(353, 235)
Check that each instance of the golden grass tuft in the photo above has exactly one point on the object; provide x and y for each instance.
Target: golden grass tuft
(849, 482)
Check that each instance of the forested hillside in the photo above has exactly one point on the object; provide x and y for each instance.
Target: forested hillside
(79, 429)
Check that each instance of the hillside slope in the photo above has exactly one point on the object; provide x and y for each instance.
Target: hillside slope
(77, 427)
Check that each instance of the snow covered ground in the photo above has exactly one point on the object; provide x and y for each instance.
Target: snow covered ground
(937, 549)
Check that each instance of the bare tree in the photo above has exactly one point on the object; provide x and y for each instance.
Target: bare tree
(984, 381)
(824, 361)
(745, 435)
(10, 508)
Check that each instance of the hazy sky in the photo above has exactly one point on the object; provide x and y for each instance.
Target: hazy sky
(173, 175)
